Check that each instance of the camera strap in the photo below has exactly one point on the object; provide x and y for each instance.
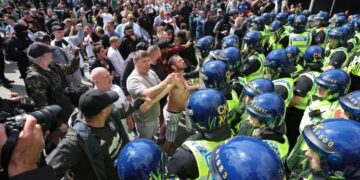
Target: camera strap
(8, 148)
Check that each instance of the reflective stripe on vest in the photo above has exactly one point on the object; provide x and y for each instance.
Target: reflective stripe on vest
(201, 150)
(307, 99)
(354, 67)
(281, 149)
(288, 83)
(302, 41)
(260, 72)
(332, 51)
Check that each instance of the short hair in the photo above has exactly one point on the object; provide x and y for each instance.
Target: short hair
(97, 49)
(152, 49)
(139, 55)
(100, 30)
(113, 39)
(172, 60)
(10, 17)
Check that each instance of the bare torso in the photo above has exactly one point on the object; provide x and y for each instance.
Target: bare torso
(178, 96)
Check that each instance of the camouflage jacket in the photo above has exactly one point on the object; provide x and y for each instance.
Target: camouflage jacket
(47, 87)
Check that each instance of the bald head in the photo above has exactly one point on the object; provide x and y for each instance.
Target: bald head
(101, 78)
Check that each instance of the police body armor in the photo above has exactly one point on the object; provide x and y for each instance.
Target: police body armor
(288, 83)
(302, 40)
(330, 52)
(260, 72)
(307, 99)
(201, 150)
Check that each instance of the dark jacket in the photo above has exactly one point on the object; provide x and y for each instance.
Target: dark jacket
(47, 87)
(79, 155)
(14, 49)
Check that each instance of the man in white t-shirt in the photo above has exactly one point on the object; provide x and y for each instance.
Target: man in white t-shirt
(105, 15)
(115, 58)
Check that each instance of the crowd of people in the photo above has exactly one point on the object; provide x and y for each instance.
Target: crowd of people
(266, 90)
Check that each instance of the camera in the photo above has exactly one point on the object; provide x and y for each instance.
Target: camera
(46, 117)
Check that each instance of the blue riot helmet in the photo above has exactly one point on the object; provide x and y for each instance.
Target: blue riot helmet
(267, 18)
(336, 82)
(230, 42)
(350, 29)
(337, 20)
(258, 23)
(322, 18)
(205, 45)
(311, 21)
(293, 53)
(272, 16)
(351, 104)
(314, 57)
(282, 17)
(337, 143)
(337, 37)
(259, 86)
(252, 39)
(353, 18)
(141, 159)
(276, 61)
(306, 13)
(300, 23)
(233, 58)
(291, 19)
(215, 55)
(275, 26)
(208, 110)
(269, 109)
(230, 36)
(244, 158)
(214, 74)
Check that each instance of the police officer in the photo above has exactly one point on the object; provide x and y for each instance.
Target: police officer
(295, 57)
(276, 34)
(320, 34)
(304, 88)
(141, 159)
(216, 75)
(350, 103)
(331, 85)
(204, 45)
(253, 65)
(244, 158)
(354, 71)
(208, 111)
(335, 53)
(267, 122)
(334, 152)
(299, 36)
(278, 69)
(258, 24)
(251, 89)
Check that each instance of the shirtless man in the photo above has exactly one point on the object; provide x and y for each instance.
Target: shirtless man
(178, 95)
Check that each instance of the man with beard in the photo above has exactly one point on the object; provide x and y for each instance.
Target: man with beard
(16, 48)
(175, 105)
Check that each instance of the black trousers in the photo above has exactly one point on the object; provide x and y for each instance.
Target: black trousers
(23, 64)
(2, 66)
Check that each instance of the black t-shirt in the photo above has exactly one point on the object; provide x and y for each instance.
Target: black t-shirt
(110, 143)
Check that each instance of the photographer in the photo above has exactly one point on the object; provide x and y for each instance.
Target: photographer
(23, 162)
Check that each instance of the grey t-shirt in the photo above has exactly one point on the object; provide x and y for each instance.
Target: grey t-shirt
(136, 84)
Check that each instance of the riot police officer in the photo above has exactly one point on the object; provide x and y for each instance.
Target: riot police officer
(204, 45)
(332, 85)
(141, 159)
(245, 158)
(350, 103)
(334, 150)
(267, 122)
(336, 54)
(208, 111)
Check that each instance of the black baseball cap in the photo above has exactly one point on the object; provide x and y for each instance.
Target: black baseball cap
(94, 101)
(38, 49)
(129, 27)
